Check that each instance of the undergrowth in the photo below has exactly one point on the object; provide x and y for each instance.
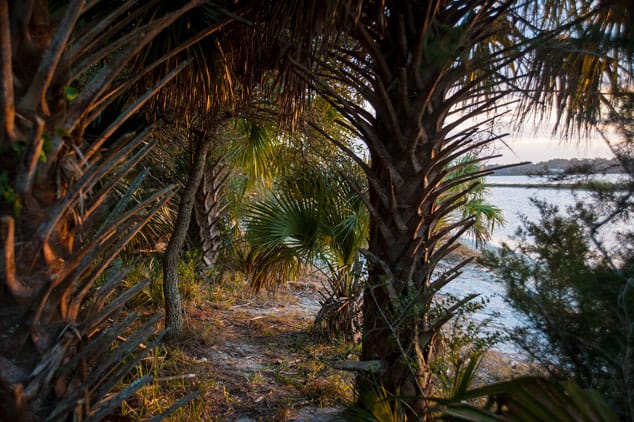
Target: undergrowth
(221, 317)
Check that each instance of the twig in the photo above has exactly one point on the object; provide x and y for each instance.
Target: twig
(141, 345)
(17, 289)
(257, 317)
(175, 377)
(7, 106)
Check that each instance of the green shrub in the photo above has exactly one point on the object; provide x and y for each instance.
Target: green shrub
(579, 304)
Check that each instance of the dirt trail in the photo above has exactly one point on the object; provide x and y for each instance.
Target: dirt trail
(259, 362)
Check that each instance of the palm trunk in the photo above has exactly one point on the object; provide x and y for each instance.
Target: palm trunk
(173, 300)
(398, 295)
(209, 210)
(411, 78)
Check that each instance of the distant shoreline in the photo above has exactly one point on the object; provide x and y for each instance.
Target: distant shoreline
(561, 166)
(569, 186)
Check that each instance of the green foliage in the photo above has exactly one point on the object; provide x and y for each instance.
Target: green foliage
(455, 369)
(282, 233)
(486, 216)
(191, 285)
(527, 399)
(578, 303)
(312, 217)
(70, 93)
(253, 152)
(376, 404)
(165, 367)
(340, 312)
(8, 194)
(147, 268)
(464, 341)
(151, 403)
(191, 279)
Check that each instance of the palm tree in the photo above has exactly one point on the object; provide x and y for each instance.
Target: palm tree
(230, 65)
(69, 87)
(312, 218)
(416, 63)
(210, 209)
(485, 216)
(434, 73)
(61, 351)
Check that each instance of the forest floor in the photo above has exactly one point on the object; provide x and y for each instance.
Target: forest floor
(265, 361)
(252, 357)
(256, 358)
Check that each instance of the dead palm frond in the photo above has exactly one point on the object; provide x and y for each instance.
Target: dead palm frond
(66, 341)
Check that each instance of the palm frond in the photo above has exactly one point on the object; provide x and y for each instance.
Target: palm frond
(528, 399)
(253, 152)
(287, 222)
(283, 233)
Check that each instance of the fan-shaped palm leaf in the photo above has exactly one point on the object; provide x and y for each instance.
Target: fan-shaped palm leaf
(284, 221)
(309, 216)
(283, 233)
(253, 152)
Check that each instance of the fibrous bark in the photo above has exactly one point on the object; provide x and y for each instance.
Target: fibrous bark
(209, 209)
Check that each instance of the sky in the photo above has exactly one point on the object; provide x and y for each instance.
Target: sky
(535, 142)
(542, 147)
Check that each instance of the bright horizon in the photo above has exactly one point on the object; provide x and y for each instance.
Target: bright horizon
(543, 148)
(537, 144)
(534, 144)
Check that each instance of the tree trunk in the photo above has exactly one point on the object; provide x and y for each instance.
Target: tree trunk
(412, 90)
(209, 209)
(173, 300)
(398, 295)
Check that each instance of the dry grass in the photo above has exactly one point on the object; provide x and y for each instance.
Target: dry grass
(248, 355)
(254, 356)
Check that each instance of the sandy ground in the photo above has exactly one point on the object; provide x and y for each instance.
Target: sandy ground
(254, 358)
(258, 361)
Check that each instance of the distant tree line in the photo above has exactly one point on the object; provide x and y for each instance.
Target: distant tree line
(562, 165)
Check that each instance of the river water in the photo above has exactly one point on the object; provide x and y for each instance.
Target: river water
(514, 201)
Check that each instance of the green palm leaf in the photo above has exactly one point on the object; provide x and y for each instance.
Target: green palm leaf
(283, 233)
(253, 152)
(486, 216)
(526, 399)
(285, 222)
(311, 215)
